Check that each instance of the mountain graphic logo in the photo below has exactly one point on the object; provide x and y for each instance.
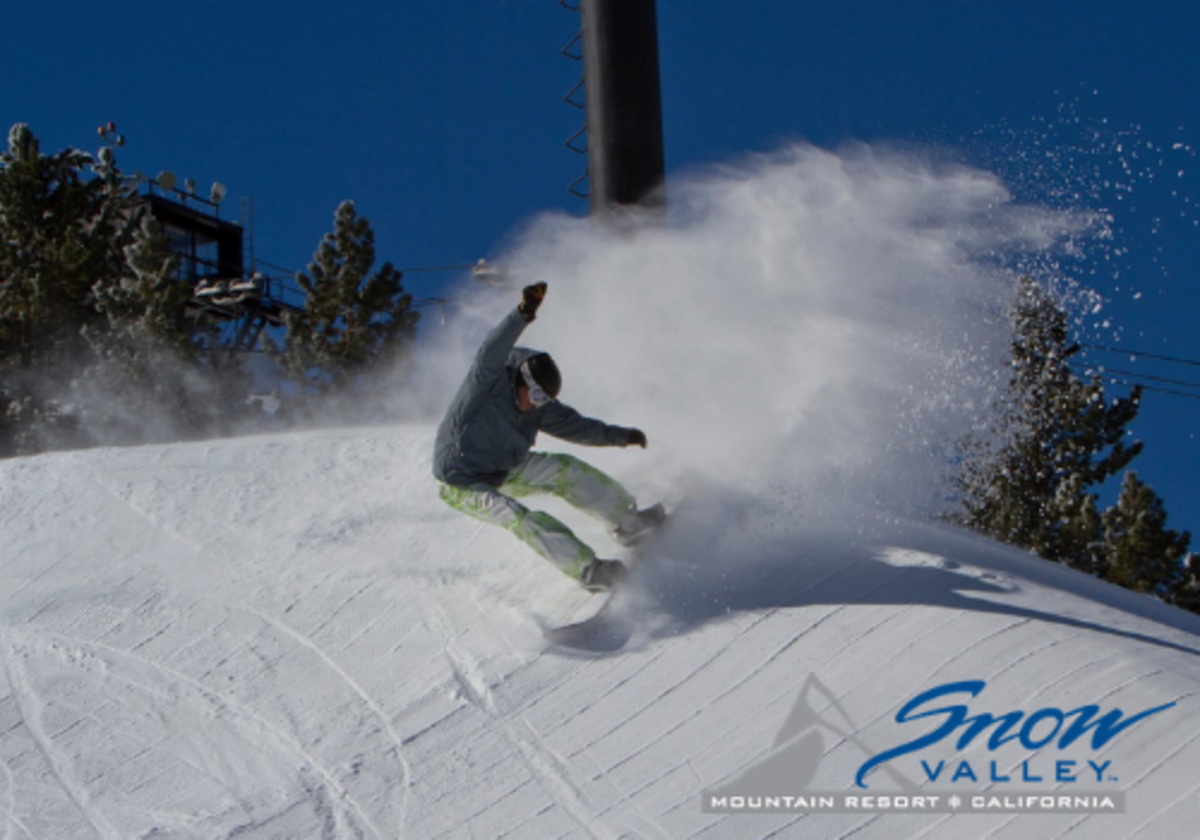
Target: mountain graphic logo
(795, 756)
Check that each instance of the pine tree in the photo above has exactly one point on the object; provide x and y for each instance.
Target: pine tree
(95, 342)
(1187, 592)
(1140, 552)
(61, 234)
(139, 381)
(355, 324)
(1059, 437)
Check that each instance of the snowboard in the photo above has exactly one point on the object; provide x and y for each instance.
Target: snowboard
(604, 620)
(603, 623)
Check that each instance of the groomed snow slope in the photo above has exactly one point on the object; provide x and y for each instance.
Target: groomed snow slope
(292, 637)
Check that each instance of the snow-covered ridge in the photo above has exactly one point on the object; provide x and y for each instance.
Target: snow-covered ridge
(291, 637)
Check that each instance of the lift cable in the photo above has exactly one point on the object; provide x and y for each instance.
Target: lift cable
(1128, 351)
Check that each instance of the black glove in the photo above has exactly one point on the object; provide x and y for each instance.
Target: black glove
(531, 299)
(637, 438)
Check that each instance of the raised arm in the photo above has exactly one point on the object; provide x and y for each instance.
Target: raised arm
(493, 353)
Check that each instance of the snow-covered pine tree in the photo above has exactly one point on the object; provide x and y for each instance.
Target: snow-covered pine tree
(61, 234)
(1059, 437)
(146, 306)
(1187, 592)
(1140, 551)
(95, 345)
(355, 324)
(139, 382)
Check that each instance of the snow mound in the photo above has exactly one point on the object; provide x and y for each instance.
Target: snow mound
(292, 637)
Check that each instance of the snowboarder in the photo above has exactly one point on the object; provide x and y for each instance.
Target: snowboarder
(483, 461)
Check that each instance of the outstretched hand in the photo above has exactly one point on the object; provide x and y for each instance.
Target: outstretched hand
(531, 299)
(637, 438)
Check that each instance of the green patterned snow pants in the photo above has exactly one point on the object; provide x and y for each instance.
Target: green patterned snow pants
(573, 480)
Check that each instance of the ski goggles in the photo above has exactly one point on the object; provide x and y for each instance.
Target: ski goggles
(537, 396)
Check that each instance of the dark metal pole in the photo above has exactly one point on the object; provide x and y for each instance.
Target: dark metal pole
(624, 105)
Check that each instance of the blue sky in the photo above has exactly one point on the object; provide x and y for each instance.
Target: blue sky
(445, 122)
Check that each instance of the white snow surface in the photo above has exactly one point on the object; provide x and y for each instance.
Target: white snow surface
(292, 637)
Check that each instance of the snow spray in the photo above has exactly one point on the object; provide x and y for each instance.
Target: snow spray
(810, 323)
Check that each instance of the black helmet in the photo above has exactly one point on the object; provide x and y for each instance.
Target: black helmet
(545, 374)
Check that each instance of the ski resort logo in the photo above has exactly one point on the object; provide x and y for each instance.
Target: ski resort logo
(1060, 749)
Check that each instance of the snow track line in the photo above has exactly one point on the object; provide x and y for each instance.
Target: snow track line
(344, 676)
(1013, 767)
(10, 816)
(755, 623)
(28, 702)
(547, 769)
(280, 736)
(1071, 672)
(831, 656)
(791, 643)
(350, 682)
(1148, 772)
(831, 614)
(1083, 819)
(1161, 762)
(715, 657)
(328, 619)
(524, 659)
(834, 654)
(612, 689)
(606, 666)
(939, 668)
(33, 581)
(1000, 631)
(141, 514)
(363, 632)
(647, 822)
(1077, 634)
(25, 506)
(1029, 654)
(1188, 797)
(768, 662)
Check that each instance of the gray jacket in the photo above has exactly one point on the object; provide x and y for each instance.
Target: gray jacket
(484, 436)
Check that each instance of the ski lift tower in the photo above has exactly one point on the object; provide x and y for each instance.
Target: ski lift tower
(626, 163)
